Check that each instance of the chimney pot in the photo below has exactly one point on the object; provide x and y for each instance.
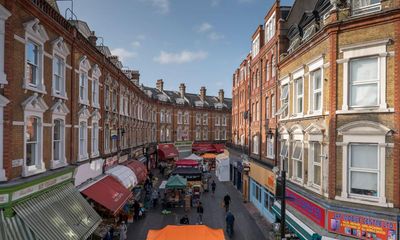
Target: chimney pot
(203, 93)
(160, 85)
(182, 90)
(221, 96)
(93, 39)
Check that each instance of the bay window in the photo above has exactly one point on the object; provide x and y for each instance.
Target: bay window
(297, 158)
(364, 82)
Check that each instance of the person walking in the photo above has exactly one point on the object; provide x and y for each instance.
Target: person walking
(136, 209)
(200, 211)
(227, 201)
(154, 198)
(123, 231)
(213, 186)
(230, 220)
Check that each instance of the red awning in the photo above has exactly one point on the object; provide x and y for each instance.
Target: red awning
(219, 148)
(167, 151)
(109, 193)
(139, 169)
(203, 147)
(187, 163)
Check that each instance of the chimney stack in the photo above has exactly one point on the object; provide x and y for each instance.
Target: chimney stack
(182, 90)
(160, 85)
(135, 77)
(93, 39)
(221, 96)
(203, 93)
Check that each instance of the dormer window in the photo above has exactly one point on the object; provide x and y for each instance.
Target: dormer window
(256, 46)
(309, 31)
(294, 44)
(270, 28)
(365, 6)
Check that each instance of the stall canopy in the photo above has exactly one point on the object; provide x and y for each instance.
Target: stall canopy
(61, 213)
(192, 232)
(167, 151)
(219, 148)
(190, 173)
(187, 163)
(139, 169)
(194, 157)
(176, 182)
(209, 155)
(203, 147)
(124, 174)
(109, 193)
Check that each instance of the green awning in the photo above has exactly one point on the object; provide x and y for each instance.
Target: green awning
(61, 213)
(13, 228)
(296, 225)
(175, 182)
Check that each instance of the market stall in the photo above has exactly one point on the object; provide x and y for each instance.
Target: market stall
(124, 175)
(187, 163)
(175, 191)
(222, 170)
(209, 158)
(190, 173)
(192, 232)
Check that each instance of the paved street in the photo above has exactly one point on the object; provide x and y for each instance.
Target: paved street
(214, 216)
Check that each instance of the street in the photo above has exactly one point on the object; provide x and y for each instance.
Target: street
(214, 216)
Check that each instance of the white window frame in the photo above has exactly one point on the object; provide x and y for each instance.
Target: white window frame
(205, 134)
(312, 68)
(96, 73)
(179, 116)
(273, 105)
(255, 49)
(35, 33)
(297, 135)
(270, 147)
(205, 119)
(273, 66)
(270, 28)
(107, 138)
(284, 99)
(83, 136)
(376, 48)
(84, 67)
(186, 119)
(4, 15)
(375, 7)
(295, 161)
(313, 164)
(298, 76)
(256, 145)
(223, 120)
(217, 134)
(217, 120)
(3, 102)
(59, 112)
(364, 132)
(95, 139)
(61, 51)
(267, 110)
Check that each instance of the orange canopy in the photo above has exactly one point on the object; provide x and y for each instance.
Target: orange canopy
(209, 155)
(186, 232)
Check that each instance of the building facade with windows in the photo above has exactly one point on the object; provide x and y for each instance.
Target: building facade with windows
(337, 116)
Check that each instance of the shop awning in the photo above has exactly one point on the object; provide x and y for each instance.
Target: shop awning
(124, 175)
(190, 173)
(61, 213)
(14, 228)
(167, 151)
(176, 182)
(194, 157)
(209, 155)
(296, 225)
(219, 148)
(139, 169)
(109, 193)
(186, 163)
(192, 232)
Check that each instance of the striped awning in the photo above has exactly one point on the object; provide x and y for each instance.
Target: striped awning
(14, 228)
(61, 213)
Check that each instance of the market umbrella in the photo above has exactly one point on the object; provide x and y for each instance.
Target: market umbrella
(192, 232)
(209, 155)
(175, 182)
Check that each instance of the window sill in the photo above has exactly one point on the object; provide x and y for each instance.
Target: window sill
(95, 154)
(84, 102)
(59, 95)
(39, 89)
(364, 201)
(366, 110)
(314, 188)
(96, 105)
(57, 164)
(83, 158)
(297, 181)
(27, 173)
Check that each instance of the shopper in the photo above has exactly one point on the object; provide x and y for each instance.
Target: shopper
(154, 198)
(200, 211)
(136, 209)
(184, 220)
(123, 231)
(230, 220)
(213, 186)
(227, 201)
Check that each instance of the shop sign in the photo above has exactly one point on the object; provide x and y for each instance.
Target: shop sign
(41, 186)
(123, 158)
(110, 162)
(3, 198)
(361, 227)
(309, 209)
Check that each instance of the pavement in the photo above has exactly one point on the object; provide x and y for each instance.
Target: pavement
(249, 224)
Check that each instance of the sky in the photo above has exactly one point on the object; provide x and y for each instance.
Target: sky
(196, 42)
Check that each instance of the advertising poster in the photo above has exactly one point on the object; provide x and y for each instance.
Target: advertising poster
(361, 227)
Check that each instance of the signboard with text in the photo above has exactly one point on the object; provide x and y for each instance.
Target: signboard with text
(309, 209)
(361, 227)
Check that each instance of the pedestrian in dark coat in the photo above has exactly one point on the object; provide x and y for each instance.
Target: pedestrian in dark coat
(136, 209)
(227, 201)
(200, 211)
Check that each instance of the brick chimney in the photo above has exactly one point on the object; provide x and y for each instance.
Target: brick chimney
(182, 90)
(135, 77)
(203, 92)
(221, 95)
(92, 38)
(160, 85)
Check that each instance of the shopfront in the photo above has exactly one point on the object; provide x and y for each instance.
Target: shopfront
(262, 190)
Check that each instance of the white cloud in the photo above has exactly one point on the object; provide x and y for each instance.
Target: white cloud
(123, 54)
(161, 5)
(215, 3)
(204, 27)
(136, 44)
(215, 36)
(182, 57)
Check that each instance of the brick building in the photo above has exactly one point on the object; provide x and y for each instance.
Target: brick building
(69, 113)
(337, 111)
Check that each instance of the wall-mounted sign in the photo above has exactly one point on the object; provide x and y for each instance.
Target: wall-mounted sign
(309, 209)
(17, 162)
(361, 227)
(40, 186)
(110, 162)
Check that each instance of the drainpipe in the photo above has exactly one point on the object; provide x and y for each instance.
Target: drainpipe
(260, 101)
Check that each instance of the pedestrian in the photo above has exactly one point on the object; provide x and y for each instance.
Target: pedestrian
(136, 209)
(200, 211)
(109, 234)
(123, 231)
(184, 220)
(213, 186)
(227, 201)
(154, 198)
(230, 220)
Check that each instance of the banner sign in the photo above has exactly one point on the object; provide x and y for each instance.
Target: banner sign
(309, 209)
(361, 227)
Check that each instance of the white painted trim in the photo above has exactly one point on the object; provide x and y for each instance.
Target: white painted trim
(18, 123)
(19, 39)
(3, 102)
(359, 111)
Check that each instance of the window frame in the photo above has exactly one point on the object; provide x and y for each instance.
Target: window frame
(296, 161)
(83, 136)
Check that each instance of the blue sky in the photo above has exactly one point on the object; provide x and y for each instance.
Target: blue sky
(196, 42)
